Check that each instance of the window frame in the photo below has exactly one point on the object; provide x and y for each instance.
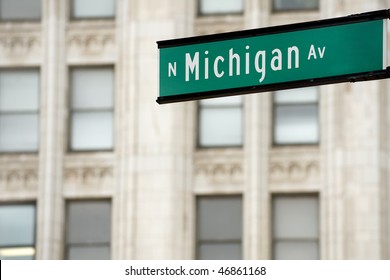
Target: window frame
(275, 10)
(274, 105)
(199, 145)
(26, 112)
(275, 240)
(22, 19)
(21, 203)
(71, 110)
(72, 16)
(67, 244)
(198, 241)
(200, 14)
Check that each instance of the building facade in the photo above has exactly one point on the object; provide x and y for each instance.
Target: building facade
(92, 167)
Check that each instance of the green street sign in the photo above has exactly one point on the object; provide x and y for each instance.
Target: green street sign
(336, 50)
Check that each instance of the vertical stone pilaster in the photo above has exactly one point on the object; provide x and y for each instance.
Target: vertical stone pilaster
(50, 203)
(183, 147)
(256, 132)
(126, 129)
(161, 147)
(362, 173)
(353, 156)
(332, 217)
(383, 160)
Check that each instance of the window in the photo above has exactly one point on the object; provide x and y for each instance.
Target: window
(220, 122)
(221, 6)
(282, 5)
(88, 231)
(19, 113)
(219, 228)
(295, 227)
(17, 232)
(92, 108)
(20, 9)
(296, 116)
(93, 8)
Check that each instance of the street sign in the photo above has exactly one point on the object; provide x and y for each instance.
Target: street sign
(346, 49)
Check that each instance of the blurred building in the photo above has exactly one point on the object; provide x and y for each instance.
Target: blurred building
(92, 167)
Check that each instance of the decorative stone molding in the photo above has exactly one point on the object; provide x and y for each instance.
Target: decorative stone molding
(294, 171)
(20, 46)
(18, 179)
(295, 166)
(95, 43)
(205, 26)
(212, 169)
(216, 174)
(88, 175)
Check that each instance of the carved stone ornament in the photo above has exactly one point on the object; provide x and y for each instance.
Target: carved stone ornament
(19, 179)
(220, 173)
(91, 43)
(293, 171)
(19, 44)
(88, 175)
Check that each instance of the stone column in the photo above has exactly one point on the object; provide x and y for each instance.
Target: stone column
(126, 107)
(161, 149)
(50, 203)
(256, 131)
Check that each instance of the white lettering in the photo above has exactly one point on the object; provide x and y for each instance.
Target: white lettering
(229, 62)
(321, 52)
(247, 61)
(296, 52)
(232, 57)
(277, 59)
(206, 66)
(261, 69)
(216, 72)
(312, 52)
(171, 69)
(192, 65)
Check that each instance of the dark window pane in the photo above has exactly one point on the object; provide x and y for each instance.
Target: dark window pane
(92, 88)
(295, 4)
(296, 116)
(89, 222)
(93, 8)
(296, 227)
(296, 124)
(296, 250)
(307, 95)
(220, 122)
(89, 253)
(219, 218)
(220, 251)
(19, 132)
(92, 131)
(220, 127)
(221, 6)
(20, 9)
(219, 222)
(92, 94)
(296, 217)
(17, 225)
(19, 90)
(19, 105)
